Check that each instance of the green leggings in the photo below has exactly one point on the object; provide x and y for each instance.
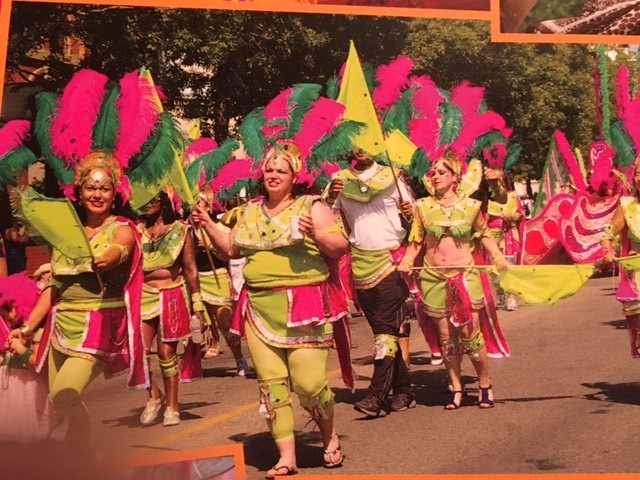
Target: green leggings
(68, 377)
(305, 367)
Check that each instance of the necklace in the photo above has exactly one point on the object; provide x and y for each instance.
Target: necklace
(272, 212)
(156, 237)
(444, 197)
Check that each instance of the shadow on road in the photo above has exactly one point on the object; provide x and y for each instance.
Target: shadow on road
(626, 393)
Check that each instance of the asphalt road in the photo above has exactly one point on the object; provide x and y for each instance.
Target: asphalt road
(567, 402)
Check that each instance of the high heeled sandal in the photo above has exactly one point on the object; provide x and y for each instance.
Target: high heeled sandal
(485, 401)
(452, 404)
(281, 471)
(330, 463)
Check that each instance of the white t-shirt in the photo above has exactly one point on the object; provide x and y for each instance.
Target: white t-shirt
(375, 225)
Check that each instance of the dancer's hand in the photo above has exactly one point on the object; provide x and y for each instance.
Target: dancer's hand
(405, 265)
(335, 187)
(305, 225)
(200, 216)
(501, 264)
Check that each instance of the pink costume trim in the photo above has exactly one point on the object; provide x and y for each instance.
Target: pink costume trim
(629, 291)
(117, 358)
(458, 300)
(174, 314)
(307, 305)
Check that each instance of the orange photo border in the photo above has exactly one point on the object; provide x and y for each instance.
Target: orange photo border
(493, 16)
(498, 36)
(235, 451)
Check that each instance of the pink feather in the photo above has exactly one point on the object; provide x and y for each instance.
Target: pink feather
(12, 135)
(198, 148)
(137, 116)
(427, 98)
(20, 289)
(425, 134)
(474, 124)
(323, 116)
(392, 78)
(570, 160)
(628, 109)
(496, 155)
(279, 106)
(330, 168)
(234, 170)
(271, 131)
(623, 90)
(79, 106)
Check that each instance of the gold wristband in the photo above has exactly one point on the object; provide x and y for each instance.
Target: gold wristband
(196, 297)
(25, 330)
(197, 306)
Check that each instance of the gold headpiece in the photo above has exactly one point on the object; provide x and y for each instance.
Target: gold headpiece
(286, 150)
(100, 166)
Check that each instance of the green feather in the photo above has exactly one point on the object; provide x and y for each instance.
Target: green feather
(486, 141)
(106, 127)
(304, 94)
(332, 88)
(246, 183)
(14, 163)
(621, 141)
(451, 123)
(400, 114)
(253, 139)
(157, 155)
(336, 146)
(513, 153)
(420, 164)
(213, 161)
(46, 103)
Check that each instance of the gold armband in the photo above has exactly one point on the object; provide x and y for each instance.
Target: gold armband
(197, 306)
(124, 252)
(496, 257)
(196, 297)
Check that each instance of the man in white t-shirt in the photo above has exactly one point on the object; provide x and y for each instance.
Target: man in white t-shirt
(372, 200)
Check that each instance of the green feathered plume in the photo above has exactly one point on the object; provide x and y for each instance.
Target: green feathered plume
(603, 101)
(304, 94)
(332, 88)
(451, 123)
(157, 156)
(336, 146)
(420, 164)
(400, 114)
(253, 140)
(250, 186)
(46, 104)
(513, 153)
(14, 163)
(625, 150)
(106, 127)
(213, 161)
(486, 141)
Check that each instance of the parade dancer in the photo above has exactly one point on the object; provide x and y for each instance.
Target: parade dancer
(451, 288)
(371, 200)
(289, 299)
(170, 292)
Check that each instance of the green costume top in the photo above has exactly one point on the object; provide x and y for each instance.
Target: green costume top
(274, 259)
(431, 217)
(631, 210)
(276, 266)
(75, 278)
(356, 189)
(496, 209)
(163, 252)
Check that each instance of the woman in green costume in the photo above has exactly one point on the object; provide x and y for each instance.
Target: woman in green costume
(452, 291)
(289, 300)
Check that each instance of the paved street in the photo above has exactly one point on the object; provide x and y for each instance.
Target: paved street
(568, 401)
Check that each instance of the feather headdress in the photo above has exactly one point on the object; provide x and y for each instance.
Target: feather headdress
(302, 124)
(122, 119)
(14, 157)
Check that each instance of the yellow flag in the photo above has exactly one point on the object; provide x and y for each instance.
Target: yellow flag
(355, 95)
(629, 263)
(400, 149)
(146, 74)
(545, 284)
(192, 130)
